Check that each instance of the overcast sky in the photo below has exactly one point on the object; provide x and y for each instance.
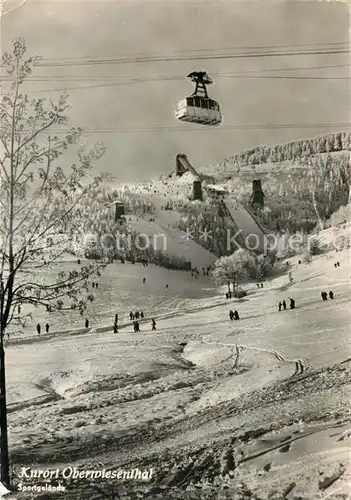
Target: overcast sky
(110, 29)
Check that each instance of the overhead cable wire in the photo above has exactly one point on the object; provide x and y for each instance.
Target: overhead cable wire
(120, 81)
(241, 127)
(197, 57)
(325, 45)
(242, 74)
(131, 82)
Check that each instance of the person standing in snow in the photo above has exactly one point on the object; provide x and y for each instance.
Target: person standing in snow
(47, 327)
(292, 303)
(331, 295)
(231, 315)
(87, 323)
(153, 324)
(38, 329)
(284, 305)
(280, 306)
(131, 315)
(236, 315)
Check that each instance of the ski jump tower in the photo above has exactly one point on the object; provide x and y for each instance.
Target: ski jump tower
(183, 165)
(257, 196)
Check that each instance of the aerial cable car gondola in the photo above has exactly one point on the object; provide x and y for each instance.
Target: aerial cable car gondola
(199, 108)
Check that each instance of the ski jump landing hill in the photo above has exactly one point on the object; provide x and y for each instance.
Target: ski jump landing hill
(164, 223)
(250, 233)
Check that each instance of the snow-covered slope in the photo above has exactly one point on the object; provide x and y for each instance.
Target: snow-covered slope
(162, 229)
(173, 241)
(131, 400)
(335, 237)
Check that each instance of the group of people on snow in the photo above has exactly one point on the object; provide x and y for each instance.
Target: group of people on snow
(233, 315)
(195, 273)
(133, 316)
(136, 315)
(47, 328)
(282, 304)
(324, 295)
(136, 325)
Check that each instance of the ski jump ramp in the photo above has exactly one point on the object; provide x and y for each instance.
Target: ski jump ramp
(184, 165)
(250, 234)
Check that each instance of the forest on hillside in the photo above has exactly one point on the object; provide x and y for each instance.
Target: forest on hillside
(307, 197)
(291, 151)
(298, 198)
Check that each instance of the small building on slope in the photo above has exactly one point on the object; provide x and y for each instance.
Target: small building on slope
(216, 192)
(117, 211)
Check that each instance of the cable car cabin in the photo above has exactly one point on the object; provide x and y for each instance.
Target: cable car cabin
(198, 109)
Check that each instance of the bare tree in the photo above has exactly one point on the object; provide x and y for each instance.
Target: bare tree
(43, 210)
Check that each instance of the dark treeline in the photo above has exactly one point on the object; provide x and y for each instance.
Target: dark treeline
(133, 252)
(156, 257)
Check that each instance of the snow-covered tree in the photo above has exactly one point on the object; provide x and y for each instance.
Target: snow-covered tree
(226, 270)
(234, 268)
